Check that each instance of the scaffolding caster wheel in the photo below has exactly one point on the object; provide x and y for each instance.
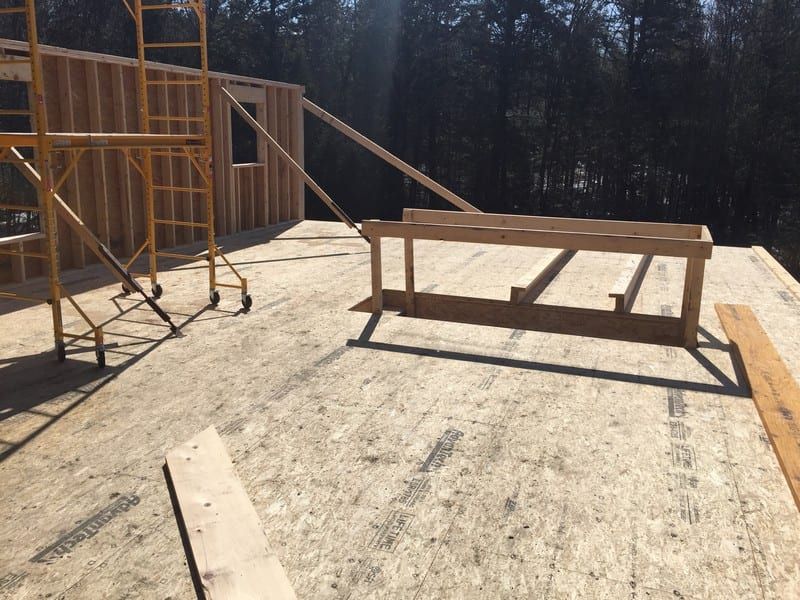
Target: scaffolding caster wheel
(125, 290)
(101, 357)
(61, 351)
(213, 297)
(247, 301)
(157, 291)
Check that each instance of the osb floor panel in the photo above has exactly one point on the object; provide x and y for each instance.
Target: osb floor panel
(400, 458)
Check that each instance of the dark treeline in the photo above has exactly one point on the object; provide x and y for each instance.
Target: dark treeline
(667, 110)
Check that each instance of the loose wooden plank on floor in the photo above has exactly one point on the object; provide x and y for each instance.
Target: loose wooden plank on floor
(230, 551)
(775, 392)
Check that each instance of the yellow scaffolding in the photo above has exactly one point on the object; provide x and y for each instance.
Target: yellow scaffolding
(197, 129)
(27, 67)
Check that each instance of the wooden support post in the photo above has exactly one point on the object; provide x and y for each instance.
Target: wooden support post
(123, 166)
(272, 128)
(262, 179)
(692, 296)
(73, 184)
(542, 274)
(408, 244)
(18, 266)
(229, 553)
(627, 285)
(377, 279)
(98, 158)
(298, 210)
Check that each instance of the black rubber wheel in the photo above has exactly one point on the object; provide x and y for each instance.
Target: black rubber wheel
(157, 291)
(125, 290)
(247, 301)
(214, 297)
(61, 351)
(101, 358)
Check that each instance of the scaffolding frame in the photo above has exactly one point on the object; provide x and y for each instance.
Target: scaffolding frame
(28, 69)
(198, 153)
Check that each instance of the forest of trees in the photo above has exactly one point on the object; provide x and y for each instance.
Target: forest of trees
(678, 110)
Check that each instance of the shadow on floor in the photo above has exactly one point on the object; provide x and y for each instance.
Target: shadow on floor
(726, 386)
(95, 275)
(53, 390)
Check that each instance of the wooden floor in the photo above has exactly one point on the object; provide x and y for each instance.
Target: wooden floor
(401, 458)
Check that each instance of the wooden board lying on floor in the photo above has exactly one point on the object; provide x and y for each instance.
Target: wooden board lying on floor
(774, 390)
(231, 554)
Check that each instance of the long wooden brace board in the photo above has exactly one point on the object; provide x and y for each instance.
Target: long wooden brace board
(229, 551)
(390, 158)
(775, 392)
(335, 208)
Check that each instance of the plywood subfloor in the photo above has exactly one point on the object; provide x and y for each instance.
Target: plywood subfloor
(401, 458)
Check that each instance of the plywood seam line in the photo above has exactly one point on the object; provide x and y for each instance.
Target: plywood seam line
(390, 158)
(261, 132)
(41, 144)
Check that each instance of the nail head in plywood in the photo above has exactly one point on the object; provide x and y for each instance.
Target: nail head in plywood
(229, 549)
(775, 392)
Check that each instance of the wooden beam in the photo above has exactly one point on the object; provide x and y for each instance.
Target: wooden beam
(377, 275)
(16, 72)
(408, 248)
(698, 249)
(775, 392)
(230, 554)
(56, 51)
(661, 230)
(782, 274)
(73, 184)
(289, 160)
(393, 160)
(627, 285)
(297, 150)
(541, 275)
(262, 181)
(646, 329)
(692, 297)
(98, 158)
(123, 166)
(272, 153)
(246, 93)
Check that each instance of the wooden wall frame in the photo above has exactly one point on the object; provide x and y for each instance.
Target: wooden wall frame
(692, 242)
(91, 92)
